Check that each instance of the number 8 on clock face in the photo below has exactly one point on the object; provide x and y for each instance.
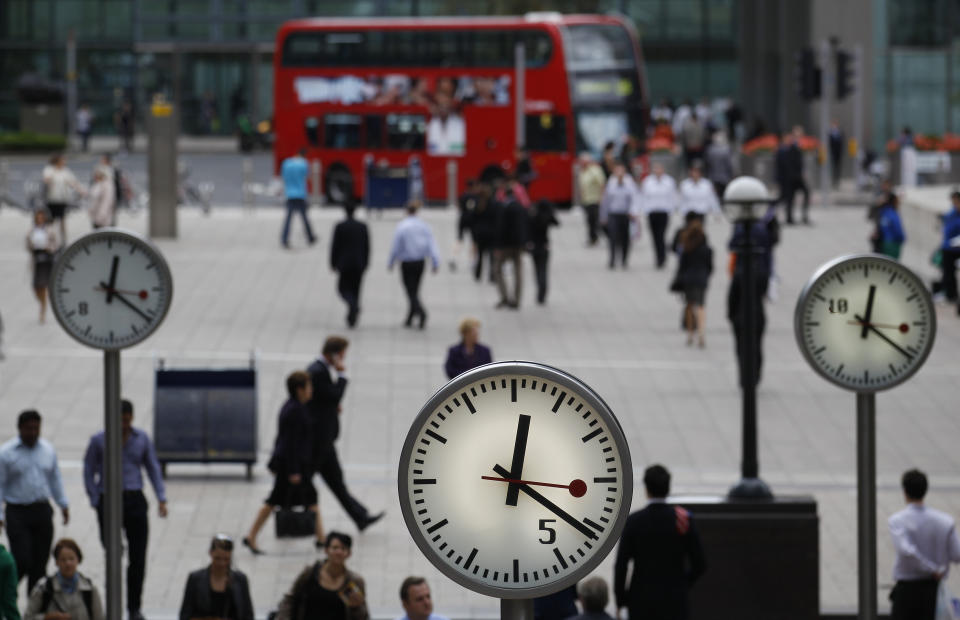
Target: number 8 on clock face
(515, 480)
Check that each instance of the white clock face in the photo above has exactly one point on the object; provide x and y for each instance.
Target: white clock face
(110, 289)
(515, 480)
(865, 322)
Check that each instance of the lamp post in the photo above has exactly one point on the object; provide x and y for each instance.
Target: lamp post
(748, 195)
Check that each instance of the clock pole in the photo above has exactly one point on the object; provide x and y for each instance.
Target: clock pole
(867, 504)
(516, 609)
(113, 482)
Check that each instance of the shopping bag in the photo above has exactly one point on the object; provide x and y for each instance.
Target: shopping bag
(948, 607)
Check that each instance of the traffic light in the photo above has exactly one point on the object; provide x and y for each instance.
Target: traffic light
(807, 74)
(846, 74)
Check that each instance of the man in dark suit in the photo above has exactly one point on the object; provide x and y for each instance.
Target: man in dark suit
(349, 255)
(329, 384)
(665, 549)
(793, 177)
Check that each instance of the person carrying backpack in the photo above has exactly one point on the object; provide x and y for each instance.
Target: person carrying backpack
(67, 594)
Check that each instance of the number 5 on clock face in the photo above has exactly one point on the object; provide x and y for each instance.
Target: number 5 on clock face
(515, 479)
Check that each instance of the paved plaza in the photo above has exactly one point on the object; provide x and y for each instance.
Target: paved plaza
(237, 291)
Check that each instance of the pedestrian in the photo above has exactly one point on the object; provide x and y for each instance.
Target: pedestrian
(697, 194)
(121, 190)
(123, 119)
(468, 353)
(950, 249)
(890, 227)
(291, 462)
(327, 589)
(349, 256)
(763, 237)
(512, 189)
(835, 140)
(693, 274)
(525, 172)
(217, 591)
(102, 197)
(60, 186)
(138, 453)
(413, 243)
(71, 594)
(511, 240)
(873, 212)
(294, 171)
(591, 181)
(42, 244)
(793, 176)
(483, 228)
(8, 586)
(926, 543)
(542, 218)
(661, 114)
(416, 600)
(84, 125)
(466, 206)
(29, 477)
(328, 384)
(719, 163)
(693, 139)
(680, 116)
(560, 605)
(608, 159)
(594, 595)
(662, 543)
(619, 206)
(658, 199)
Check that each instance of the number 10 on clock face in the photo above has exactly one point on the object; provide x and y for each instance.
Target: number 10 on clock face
(515, 479)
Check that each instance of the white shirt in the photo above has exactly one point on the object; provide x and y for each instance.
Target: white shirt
(413, 241)
(699, 197)
(658, 194)
(619, 197)
(103, 199)
(29, 474)
(446, 137)
(926, 542)
(60, 184)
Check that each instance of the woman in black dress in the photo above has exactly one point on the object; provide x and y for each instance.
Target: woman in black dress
(217, 591)
(693, 273)
(327, 589)
(42, 243)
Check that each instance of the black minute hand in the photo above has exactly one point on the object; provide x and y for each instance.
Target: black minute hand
(893, 344)
(124, 301)
(580, 527)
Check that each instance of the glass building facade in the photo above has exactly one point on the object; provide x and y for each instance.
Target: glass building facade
(214, 57)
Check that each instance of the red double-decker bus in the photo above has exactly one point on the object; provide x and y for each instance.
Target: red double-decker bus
(450, 89)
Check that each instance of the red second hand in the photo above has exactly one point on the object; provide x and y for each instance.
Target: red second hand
(577, 487)
(140, 294)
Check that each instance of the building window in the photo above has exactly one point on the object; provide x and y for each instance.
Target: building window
(918, 24)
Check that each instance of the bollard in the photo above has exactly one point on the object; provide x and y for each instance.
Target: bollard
(452, 182)
(162, 169)
(315, 193)
(247, 180)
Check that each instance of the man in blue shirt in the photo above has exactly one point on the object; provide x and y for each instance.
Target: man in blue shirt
(294, 171)
(29, 475)
(137, 452)
(413, 244)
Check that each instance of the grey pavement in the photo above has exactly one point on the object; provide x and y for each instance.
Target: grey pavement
(236, 290)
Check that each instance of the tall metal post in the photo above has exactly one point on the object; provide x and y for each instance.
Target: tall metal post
(315, 191)
(451, 183)
(71, 84)
(867, 505)
(516, 609)
(825, 93)
(858, 108)
(520, 66)
(113, 483)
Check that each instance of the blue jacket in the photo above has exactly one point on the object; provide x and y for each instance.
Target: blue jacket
(951, 228)
(891, 229)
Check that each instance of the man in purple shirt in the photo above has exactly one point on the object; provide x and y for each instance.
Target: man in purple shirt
(137, 452)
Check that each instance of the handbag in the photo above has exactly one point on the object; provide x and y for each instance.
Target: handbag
(292, 521)
(948, 608)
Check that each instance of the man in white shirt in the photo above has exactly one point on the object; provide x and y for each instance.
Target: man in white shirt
(446, 131)
(618, 207)
(697, 194)
(658, 199)
(413, 244)
(416, 600)
(926, 542)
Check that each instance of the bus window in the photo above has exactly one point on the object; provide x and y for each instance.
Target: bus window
(341, 131)
(374, 132)
(406, 131)
(312, 127)
(546, 132)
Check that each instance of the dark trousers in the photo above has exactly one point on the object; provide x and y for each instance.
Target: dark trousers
(618, 231)
(948, 259)
(790, 191)
(658, 229)
(299, 206)
(593, 222)
(332, 474)
(30, 532)
(84, 140)
(348, 285)
(136, 525)
(484, 253)
(541, 259)
(412, 272)
(501, 257)
(914, 600)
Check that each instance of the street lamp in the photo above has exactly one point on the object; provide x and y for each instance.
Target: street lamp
(748, 195)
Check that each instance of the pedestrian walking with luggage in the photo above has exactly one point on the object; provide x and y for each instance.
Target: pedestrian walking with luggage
(618, 208)
(349, 256)
(413, 243)
(294, 171)
(42, 244)
(658, 199)
(68, 594)
(291, 462)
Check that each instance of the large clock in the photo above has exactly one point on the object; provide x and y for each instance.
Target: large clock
(865, 322)
(515, 480)
(110, 289)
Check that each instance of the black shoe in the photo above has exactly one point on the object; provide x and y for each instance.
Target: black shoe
(136, 615)
(312, 241)
(253, 550)
(502, 304)
(370, 521)
(352, 317)
(423, 319)
(409, 321)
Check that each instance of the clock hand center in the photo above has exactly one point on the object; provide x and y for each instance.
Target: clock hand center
(519, 451)
(546, 503)
(577, 487)
(869, 312)
(883, 337)
(127, 303)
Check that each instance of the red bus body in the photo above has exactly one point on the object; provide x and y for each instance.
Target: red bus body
(343, 89)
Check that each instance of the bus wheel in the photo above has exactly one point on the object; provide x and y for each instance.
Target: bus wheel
(491, 173)
(338, 185)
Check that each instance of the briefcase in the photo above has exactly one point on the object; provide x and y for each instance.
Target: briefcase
(295, 523)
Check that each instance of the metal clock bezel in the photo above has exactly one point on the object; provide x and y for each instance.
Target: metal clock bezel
(825, 271)
(97, 236)
(592, 399)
